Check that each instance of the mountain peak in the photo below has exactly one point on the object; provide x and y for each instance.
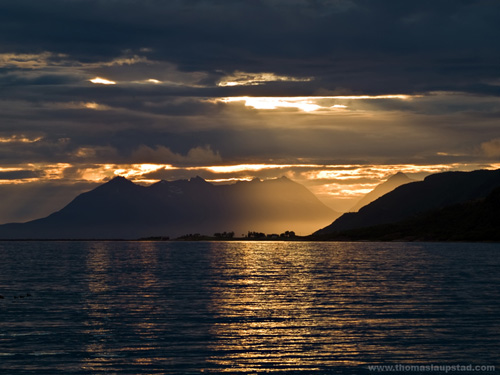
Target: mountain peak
(198, 180)
(119, 180)
(385, 187)
(399, 176)
(117, 183)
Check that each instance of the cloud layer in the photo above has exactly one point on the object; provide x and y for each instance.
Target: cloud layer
(93, 88)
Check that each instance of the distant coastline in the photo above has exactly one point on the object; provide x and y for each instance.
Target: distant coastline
(203, 238)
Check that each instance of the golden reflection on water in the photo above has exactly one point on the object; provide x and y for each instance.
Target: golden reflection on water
(270, 314)
(255, 307)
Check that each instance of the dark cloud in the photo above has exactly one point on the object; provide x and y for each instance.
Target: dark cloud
(360, 45)
(382, 130)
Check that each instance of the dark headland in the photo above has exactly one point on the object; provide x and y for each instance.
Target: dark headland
(450, 206)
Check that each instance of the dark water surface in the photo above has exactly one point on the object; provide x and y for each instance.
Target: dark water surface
(245, 307)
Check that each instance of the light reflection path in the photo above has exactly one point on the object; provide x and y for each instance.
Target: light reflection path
(268, 310)
(245, 307)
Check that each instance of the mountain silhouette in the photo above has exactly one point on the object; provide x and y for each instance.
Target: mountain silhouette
(434, 192)
(392, 183)
(120, 209)
(475, 220)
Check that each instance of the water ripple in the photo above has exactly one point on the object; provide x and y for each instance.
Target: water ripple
(245, 307)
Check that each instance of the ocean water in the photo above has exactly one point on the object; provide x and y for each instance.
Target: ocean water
(246, 307)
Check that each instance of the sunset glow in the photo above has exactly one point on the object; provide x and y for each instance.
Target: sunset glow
(336, 185)
(136, 171)
(102, 81)
(253, 167)
(347, 176)
(374, 97)
(96, 106)
(304, 104)
(252, 79)
(308, 103)
(20, 139)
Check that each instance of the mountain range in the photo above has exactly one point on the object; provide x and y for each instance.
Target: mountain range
(444, 206)
(120, 209)
(447, 206)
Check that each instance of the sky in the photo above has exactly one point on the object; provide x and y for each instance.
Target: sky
(335, 94)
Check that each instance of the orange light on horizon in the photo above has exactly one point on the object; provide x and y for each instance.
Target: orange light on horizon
(137, 170)
(253, 167)
(327, 181)
(229, 180)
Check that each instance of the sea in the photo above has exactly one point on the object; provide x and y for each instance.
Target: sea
(249, 307)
